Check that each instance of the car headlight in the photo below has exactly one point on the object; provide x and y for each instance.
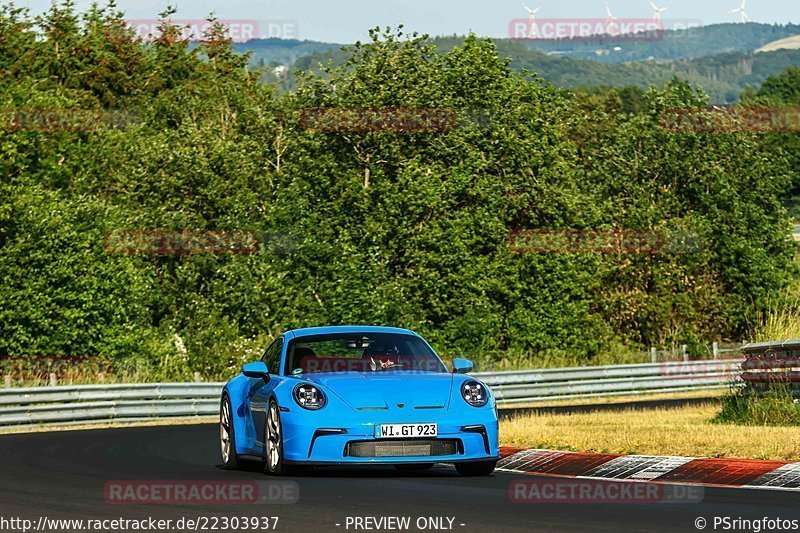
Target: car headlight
(309, 396)
(474, 393)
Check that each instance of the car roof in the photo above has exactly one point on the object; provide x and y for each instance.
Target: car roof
(326, 330)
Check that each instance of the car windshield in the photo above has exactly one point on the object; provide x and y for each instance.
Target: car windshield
(361, 352)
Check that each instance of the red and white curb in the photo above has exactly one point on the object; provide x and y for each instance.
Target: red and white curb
(744, 473)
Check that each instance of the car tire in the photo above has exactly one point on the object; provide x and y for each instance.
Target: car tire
(476, 468)
(414, 467)
(227, 438)
(273, 442)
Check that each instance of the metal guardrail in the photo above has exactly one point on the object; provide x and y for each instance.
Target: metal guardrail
(770, 363)
(91, 404)
(789, 347)
(87, 404)
(619, 380)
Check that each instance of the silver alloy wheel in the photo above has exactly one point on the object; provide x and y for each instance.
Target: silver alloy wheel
(225, 431)
(273, 437)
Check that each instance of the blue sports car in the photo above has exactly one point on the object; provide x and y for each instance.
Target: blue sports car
(357, 395)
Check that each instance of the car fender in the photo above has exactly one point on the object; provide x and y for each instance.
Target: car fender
(239, 390)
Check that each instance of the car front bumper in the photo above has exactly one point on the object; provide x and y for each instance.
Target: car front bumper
(353, 442)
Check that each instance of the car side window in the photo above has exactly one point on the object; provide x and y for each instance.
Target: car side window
(272, 357)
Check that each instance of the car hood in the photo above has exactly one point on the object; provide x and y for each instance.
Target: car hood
(379, 390)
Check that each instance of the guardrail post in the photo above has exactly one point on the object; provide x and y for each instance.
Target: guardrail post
(654, 354)
(101, 377)
(53, 380)
(8, 381)
(715, 349)
(684, 353)
(197, 377)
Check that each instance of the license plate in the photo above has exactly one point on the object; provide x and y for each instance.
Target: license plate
(403, 431)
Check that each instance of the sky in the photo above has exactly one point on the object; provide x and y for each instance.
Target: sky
(345, 21)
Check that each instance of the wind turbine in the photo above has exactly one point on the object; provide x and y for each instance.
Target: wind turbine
(531, 12)
(532, 31)
(657, 11)
(611, 23)
(741, 11)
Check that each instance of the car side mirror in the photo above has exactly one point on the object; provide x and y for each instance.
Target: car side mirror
(256, 370)
(462, 366)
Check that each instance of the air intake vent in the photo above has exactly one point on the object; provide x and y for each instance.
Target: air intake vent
(401, 448)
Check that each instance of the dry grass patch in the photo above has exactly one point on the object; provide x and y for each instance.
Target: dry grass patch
(709, 395)
(788, 43)
(684, 431)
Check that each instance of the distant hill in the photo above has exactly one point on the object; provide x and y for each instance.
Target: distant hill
(691, 43)
(723, 76)
(721, 58)
(273, 52)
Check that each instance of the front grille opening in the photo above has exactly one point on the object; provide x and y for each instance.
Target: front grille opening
(403, 448)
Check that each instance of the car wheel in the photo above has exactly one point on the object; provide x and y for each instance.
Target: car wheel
(273, 441)
(414, 467)
(476, 468)
(227, 440)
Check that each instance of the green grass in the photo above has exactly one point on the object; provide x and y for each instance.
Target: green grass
(774, 406)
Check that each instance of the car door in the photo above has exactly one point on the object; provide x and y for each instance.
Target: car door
(260, 391)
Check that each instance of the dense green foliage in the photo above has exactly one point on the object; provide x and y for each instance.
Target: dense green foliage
(408, 229)
(782, 93)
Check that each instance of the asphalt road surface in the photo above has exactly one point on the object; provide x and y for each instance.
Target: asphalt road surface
(62, 475)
